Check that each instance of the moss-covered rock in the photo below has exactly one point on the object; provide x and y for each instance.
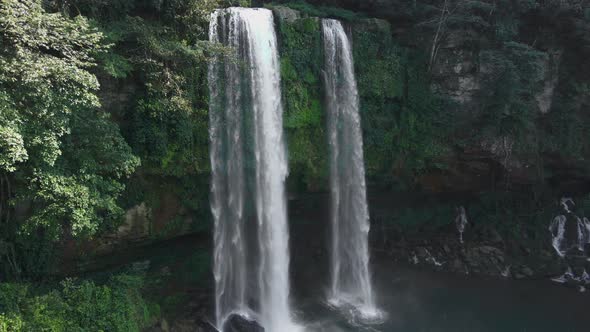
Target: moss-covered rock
(301, 63)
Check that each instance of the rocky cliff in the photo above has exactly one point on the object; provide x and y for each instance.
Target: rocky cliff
(475, 103)
(512, 76)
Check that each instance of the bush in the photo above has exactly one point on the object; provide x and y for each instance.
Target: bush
(320, 11)
(302, 94)
(76, 306)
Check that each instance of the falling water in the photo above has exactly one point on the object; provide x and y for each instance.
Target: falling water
(569, 236)
(251, 261)
(557, 229)
(568, 221)
(586, 223)
(350, 277)
(461, 222)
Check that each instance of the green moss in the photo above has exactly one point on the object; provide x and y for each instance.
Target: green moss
(172, 304)
(321, 11)
(198, 267)
(568, 124)
(399, 112)
(301, 61)
(76, 306)
(401, 117)
(380, 83)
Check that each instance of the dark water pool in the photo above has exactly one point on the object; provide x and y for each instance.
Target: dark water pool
(418, 301)
(414, 300)
(423, 301)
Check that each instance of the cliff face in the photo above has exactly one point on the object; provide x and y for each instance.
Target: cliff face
(465, 120)
(457, 98)
(510, 76)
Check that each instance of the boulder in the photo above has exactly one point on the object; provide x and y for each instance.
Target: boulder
(286, 14)
(237, 323)
(486, 260)
(523, 272)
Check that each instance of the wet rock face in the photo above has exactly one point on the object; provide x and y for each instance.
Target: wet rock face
(377, 8)
(452, 257)
(484, 251)
(455, 72)
(461, 72)
(483, 259)
(236, 323)
(286, 14)
(551, 68)
(486, 260)
(115, 94)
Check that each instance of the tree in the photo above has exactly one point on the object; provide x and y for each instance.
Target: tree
(61, 155)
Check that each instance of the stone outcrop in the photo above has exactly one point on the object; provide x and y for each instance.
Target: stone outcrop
(236, 323)
(457, 72)
(286, 14)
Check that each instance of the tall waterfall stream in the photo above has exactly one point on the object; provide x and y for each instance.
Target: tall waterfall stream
(249, 167)
(350, 276)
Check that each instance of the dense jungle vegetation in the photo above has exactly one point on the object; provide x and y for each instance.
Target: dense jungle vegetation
(104, 105)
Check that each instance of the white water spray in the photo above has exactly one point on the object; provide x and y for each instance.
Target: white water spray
(461, 222)
(249, 167)
(350, 277)
(557, 229)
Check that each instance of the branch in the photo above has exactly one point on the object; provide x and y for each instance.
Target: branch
(436, 36)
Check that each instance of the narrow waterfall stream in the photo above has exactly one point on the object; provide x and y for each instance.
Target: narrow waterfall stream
(249, 167)
(350, 275)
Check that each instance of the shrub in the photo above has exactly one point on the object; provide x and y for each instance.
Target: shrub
(76, 306)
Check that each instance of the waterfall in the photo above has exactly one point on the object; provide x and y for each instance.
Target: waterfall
(249, 167)
(586, 223)
(350, 276)
(461, 222)
(557, 229)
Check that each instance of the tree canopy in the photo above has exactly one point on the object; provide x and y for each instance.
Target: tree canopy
(60, 154)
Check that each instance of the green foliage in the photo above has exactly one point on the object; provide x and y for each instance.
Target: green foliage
(197, 267)
(320, 11)
(111, 9)
(64, 162)
(75, 306)
(401, 117)
(61, 154)
(45, 74)
(304, 114)
(521, 216)
(31, 256)
(415, 220)
(159, 50)
(507, 28)
(167, 123)
(191, 18)
(116, 65)
(422, 132)
(12, 143)
(512, 77)
(403, 123)
(378, 67)
(568, 124)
